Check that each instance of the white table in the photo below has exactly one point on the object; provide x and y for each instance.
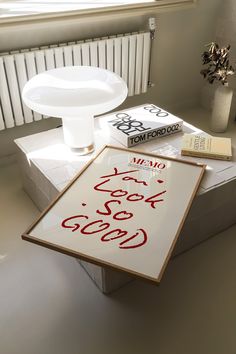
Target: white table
(47, 166)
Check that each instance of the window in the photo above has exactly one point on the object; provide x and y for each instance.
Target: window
(31, 9)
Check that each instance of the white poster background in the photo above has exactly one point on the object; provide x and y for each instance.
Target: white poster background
(161, 220)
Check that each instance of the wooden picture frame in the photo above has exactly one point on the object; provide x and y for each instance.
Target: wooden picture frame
(124, 210)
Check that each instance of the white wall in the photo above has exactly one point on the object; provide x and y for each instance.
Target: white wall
(175, 65)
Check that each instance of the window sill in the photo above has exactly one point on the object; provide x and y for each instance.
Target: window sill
(24, 16)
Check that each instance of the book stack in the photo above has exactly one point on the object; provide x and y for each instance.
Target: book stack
(206, 146)
(142, 124)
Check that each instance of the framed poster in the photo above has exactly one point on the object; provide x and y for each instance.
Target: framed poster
(124, 210)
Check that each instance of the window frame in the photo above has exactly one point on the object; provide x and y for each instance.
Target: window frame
(154, 5)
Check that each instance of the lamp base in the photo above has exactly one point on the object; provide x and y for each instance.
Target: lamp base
(83, 150)
(79, 134)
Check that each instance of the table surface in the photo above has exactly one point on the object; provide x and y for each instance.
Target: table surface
(56, 161)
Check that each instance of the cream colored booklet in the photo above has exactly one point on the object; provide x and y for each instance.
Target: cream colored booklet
(206, 146)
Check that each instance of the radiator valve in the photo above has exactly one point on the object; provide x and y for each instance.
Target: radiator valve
(152, 26)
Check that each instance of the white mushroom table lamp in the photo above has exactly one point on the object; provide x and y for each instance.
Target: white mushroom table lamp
(76, 94)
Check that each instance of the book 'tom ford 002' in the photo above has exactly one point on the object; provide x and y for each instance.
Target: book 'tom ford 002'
(141, 124)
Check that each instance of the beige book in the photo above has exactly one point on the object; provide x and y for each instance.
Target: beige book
(206, 146)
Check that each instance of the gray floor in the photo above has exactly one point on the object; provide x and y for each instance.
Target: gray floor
(48, 305)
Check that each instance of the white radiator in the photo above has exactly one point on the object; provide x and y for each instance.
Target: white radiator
(127, 55)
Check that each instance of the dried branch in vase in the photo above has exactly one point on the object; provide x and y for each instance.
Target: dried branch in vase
(217, 61)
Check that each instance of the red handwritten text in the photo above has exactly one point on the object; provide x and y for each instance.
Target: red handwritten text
(102, 226)
(98, 226)
(118, 193)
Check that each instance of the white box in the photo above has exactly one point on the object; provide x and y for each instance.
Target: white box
(46, 174)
